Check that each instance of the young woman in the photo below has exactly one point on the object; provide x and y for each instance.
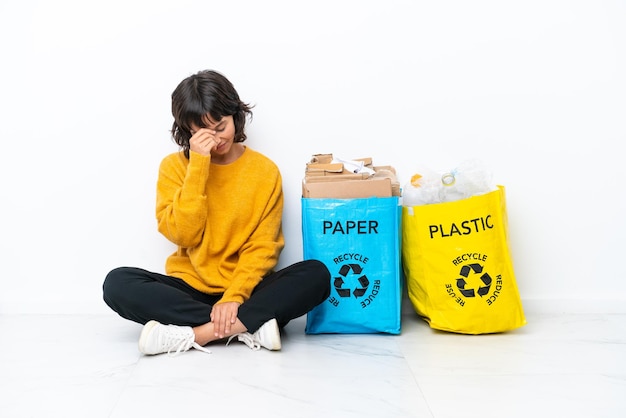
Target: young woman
(221, 204)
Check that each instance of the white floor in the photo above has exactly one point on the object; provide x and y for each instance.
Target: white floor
(559, 365)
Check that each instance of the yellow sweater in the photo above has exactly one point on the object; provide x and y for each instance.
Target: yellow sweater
(225, 220)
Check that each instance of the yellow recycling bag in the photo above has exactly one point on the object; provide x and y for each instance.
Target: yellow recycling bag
(457, 264)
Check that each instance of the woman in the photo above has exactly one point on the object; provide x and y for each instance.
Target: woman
(221, 204)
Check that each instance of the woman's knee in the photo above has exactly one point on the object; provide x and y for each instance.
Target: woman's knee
(320, 273)
(114, 282)
(319, 269)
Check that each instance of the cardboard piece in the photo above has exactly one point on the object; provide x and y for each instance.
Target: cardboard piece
(326, 178)
(347, 189)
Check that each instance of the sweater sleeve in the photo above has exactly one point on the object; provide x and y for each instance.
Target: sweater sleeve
(181, 207)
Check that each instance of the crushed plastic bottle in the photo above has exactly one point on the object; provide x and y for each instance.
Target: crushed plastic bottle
(470, 178)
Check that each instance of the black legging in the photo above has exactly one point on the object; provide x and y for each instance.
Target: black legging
(140, 295)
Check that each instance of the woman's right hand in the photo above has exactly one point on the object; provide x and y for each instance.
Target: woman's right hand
(223, 316)
(203, 141)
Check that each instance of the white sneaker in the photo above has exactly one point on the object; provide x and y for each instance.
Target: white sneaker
(157, 338)
(268, 336)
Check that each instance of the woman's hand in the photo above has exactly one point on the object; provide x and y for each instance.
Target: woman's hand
(203, 141)
(223, 317)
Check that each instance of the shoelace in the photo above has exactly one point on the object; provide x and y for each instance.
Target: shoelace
(199, 347)
(181, 342)
(248, 339)
(184, 347)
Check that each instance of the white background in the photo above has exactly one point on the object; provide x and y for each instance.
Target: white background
(535, 89)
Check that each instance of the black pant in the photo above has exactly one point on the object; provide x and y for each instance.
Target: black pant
(140, 295)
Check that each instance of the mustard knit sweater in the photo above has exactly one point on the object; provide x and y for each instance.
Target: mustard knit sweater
(225, 220)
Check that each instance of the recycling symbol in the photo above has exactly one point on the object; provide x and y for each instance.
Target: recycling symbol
(351, 269)
(461, 283)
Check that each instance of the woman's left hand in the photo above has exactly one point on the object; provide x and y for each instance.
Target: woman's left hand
(223, 317)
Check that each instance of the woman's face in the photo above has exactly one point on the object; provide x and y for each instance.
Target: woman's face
(225, 136)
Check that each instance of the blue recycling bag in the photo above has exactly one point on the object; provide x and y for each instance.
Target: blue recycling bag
(359, 241)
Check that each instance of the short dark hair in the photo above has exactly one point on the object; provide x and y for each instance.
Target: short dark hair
(206, 92)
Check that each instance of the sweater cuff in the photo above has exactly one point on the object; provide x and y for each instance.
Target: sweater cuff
(199, 168)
